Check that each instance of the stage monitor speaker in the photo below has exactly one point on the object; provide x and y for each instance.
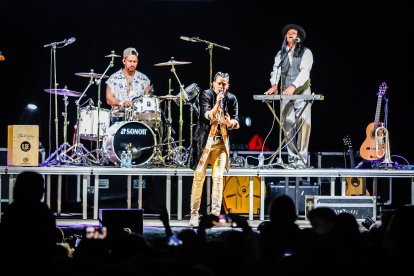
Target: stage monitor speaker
(117, 219)
(23, 145)
(278, 190)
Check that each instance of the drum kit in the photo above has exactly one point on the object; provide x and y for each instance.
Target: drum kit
(138, 129)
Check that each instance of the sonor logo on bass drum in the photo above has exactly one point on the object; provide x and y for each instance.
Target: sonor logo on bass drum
(133, 131)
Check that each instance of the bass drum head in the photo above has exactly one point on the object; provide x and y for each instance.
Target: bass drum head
(136, 136)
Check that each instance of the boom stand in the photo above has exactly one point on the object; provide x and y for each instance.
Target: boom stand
(62, 148)
(210, 51)
(56, 155)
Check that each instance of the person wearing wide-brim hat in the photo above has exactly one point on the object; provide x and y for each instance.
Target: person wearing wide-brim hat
(291, 74)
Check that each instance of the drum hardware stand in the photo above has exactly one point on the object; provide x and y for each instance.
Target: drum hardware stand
(169, 125)
(80, 153)
(172, 158)
(98, 82)
(190, 147)
(180, 136)
(53, 47)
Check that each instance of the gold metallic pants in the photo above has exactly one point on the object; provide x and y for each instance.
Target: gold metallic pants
(217, 159)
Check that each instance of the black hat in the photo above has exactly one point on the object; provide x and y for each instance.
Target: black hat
(300, 30)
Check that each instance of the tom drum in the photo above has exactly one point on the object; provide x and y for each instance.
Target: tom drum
(88, 123)
(146, 108)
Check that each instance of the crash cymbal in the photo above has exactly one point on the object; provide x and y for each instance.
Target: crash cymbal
(172, 62)
(169, 97)
(63, 92)
(91, 74)
(112, 54)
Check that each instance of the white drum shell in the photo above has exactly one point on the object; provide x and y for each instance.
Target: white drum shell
(88, 123)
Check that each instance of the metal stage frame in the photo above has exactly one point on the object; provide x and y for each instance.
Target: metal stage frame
(86, 172)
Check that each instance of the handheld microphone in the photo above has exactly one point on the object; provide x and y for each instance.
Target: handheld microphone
(69, 41)
(297, 40)
(188, 39)
(221, 101)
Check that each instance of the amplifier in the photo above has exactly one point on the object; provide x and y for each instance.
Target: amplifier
(359, 206)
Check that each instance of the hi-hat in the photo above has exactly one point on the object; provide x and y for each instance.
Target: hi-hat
(63, 92)
(112, 55)
(172, 62)
(90, 75)
(169, 97)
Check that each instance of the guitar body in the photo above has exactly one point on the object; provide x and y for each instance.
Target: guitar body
(368, 149)
(353, 184)
(354, 187)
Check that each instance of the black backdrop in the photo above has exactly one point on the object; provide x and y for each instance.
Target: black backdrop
(355, 49)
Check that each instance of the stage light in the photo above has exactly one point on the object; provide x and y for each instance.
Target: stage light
(245, 121)
(30, 115)
(31, 106)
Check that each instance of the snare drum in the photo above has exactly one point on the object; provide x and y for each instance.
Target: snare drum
(146, 108)
(88, 123)
(134, 136)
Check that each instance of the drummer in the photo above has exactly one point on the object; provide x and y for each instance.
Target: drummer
(126, 84)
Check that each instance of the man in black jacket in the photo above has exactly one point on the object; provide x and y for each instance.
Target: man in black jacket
(218, 114)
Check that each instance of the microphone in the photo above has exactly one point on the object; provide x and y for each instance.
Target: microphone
(188, 39)
(221, 101)
(297, 40)
(69, 41)
(65, 42)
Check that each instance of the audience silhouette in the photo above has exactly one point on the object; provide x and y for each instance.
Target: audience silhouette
(334, 243)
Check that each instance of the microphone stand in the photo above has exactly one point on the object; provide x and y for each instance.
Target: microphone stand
(279, 161)
(53, 47)
(210, 51)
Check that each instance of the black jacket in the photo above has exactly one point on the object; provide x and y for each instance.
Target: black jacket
(206, 101)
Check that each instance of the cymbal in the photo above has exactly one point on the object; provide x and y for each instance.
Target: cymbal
(90, 75)
(63, 92)
(172, 62)
(112, 55)
(169, 97)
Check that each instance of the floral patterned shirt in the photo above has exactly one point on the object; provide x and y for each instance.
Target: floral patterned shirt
(118, 84)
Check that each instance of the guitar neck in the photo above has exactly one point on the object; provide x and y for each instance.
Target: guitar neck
(351, 157)
(378, 111)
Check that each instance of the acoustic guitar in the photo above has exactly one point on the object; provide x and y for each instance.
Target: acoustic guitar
(371, 150)
(1, 57)
(353, 184)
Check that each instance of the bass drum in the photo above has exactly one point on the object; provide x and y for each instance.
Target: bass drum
(134, 136)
